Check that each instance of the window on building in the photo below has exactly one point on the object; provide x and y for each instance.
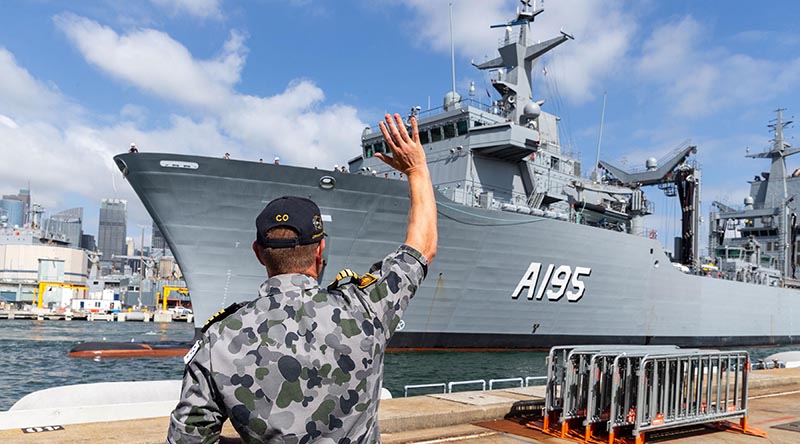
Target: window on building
(449, 131)
(554, 163)
(369, 151)
(462, 126)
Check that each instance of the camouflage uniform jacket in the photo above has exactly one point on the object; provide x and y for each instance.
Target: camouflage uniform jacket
(299, 364)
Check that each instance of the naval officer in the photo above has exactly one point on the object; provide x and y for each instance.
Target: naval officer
(303, 363)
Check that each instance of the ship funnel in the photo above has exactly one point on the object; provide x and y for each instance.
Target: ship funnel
(651, 164)
(748, 203)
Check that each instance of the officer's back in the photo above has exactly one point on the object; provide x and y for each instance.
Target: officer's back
(302, 363)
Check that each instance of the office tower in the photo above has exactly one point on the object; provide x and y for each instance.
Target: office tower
(112, 231)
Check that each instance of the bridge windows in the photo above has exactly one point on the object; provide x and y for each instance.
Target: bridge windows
(423, 136)
(436, 134)
(449, 131)
(462, 126)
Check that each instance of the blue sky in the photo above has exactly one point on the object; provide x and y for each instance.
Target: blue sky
(80, 81)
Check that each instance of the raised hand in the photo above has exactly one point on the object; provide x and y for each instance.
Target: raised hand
(407, 153)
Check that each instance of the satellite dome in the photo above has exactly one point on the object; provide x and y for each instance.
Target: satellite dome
(748, 201)
(531, 110)
(452, 100)
(651, 164)
(366, 132)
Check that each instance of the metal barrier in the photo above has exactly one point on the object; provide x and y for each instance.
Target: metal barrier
(557, 362)
(587, 384)
(450, 385)
(685, 389)
(419, 386)
(502, 380)
(535, 378)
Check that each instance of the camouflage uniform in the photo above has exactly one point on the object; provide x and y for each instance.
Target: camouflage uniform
(299, 364)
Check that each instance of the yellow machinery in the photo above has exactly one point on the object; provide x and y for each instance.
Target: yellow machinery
(43, 287)
(167, 290)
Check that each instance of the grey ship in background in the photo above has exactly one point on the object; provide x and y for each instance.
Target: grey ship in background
(531, 254)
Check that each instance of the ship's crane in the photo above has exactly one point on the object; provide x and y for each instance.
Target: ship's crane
(149, 262)
(675, 177)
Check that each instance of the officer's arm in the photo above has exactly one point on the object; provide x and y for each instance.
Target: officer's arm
(198, 417)
(408, 157)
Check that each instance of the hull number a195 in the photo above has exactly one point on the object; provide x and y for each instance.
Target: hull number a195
(555, 282)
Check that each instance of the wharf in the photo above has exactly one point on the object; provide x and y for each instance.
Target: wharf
(774, 401)
(91, 316)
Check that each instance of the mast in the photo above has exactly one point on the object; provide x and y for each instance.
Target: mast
(452, 49)
(776, 194)
(595, 174)
(518, 58)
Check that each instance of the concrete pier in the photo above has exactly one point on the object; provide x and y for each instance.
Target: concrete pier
(774, 400)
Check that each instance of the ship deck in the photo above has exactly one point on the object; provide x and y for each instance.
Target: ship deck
(466, 418)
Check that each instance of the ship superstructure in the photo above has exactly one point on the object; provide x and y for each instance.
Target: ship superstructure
(531, 253)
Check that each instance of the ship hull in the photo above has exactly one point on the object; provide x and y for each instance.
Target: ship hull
(500, 279)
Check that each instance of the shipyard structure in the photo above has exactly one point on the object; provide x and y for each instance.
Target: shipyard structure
(49, 264)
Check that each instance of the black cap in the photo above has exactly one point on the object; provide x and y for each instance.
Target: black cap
(298, 213)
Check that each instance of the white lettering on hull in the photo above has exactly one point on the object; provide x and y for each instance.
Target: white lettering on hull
(555, 282)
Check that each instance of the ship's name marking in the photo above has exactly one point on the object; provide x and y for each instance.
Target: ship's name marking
(555, 282)
(179, 164)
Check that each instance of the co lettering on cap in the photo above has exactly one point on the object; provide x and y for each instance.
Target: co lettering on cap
(281, 217)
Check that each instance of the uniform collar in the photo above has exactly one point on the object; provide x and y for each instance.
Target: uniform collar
(286, 282)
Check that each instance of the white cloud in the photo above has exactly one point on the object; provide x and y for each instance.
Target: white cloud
(202, 9)
(602, 30)
(21, 95)
(77, 147)
(8, 121)
(295, 124)
(700, 79)
(152, 61)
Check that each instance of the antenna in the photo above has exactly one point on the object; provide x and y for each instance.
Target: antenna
(452, 49)
(600, 139)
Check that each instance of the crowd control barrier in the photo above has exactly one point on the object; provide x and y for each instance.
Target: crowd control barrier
(643, 388)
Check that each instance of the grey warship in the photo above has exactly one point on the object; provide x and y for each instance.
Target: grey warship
(531, 253)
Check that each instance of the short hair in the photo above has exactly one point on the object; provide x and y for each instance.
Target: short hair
(287, 260)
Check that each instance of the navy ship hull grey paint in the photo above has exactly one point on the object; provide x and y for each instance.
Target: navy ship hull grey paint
(632, 294)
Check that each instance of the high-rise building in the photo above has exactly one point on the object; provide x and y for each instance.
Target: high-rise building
(12, 211)
(157, 239)
(112, 231)
(88, 242)
(24, 196)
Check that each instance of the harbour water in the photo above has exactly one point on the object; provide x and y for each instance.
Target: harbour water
(35, 358)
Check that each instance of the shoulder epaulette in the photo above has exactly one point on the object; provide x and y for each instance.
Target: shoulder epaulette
(220, 315)
(346, 276)
(366, 280)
